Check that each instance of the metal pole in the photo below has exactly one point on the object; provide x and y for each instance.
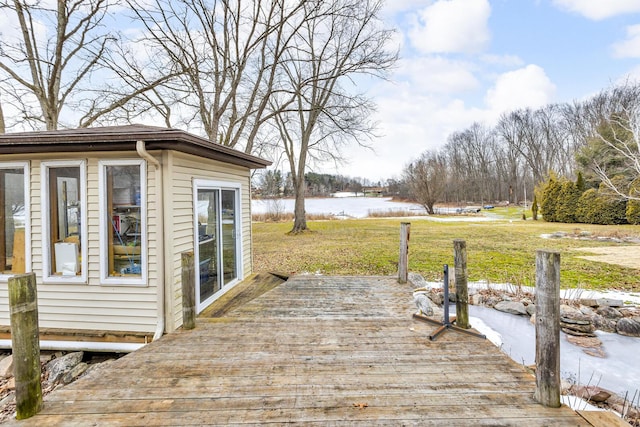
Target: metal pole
(446, 295)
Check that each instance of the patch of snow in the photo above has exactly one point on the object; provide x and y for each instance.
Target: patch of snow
(578, 404)
(491, 334)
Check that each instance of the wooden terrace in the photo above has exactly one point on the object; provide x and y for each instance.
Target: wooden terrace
(315, 350)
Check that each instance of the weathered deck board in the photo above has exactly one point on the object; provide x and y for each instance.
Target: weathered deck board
(312, 351)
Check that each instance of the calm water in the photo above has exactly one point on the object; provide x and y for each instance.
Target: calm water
(353, 207)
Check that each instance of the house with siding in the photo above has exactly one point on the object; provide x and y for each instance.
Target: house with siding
(102, 217)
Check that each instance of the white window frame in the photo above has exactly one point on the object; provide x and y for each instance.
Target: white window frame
(105, 221)
(47, 277)
(27, 214)
(207, 184)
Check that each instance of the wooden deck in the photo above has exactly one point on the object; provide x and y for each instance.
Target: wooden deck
(313, 350)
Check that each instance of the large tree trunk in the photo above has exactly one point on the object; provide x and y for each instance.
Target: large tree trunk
(300, 217)
(2, 125)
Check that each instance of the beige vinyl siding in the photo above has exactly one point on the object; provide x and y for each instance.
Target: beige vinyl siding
(130, 308)
(184, 169)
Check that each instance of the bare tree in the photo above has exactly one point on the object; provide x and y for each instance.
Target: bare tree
(316, 113)
(226, 57)
(139, 83)
(427, 177)
(49, 68)
(616, 158)
(2, 125)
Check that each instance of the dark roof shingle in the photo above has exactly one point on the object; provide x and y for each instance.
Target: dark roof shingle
(124, 138)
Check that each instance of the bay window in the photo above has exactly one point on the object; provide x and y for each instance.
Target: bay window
(64, 221)
(15, 252)
(123, 222)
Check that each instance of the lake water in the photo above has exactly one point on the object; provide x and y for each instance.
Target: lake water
(348, 207)
(344, 207)
(515, 335)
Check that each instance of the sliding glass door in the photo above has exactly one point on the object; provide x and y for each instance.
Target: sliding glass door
(217, 238)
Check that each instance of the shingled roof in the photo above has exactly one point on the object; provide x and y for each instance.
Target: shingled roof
(124, 138)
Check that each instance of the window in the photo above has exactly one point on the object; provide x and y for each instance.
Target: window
(15, 251)
(123, 222)
(218, 246)
(64, 222)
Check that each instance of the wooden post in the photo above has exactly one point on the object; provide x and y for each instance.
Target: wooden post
(462, 294)
(188, 291)
(403, 262)
(548, 328)
(23, 309)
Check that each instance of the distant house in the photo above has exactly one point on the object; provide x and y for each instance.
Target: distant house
(102, 216)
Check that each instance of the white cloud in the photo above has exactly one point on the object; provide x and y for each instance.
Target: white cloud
(630, 47)
(452, 26)
(503, 60)
(599, 9)
(525, 87)
(411, 122)
(437, 75)
(396, 6)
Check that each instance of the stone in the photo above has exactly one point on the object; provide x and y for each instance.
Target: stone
(608, 302)
(586, 310)
(74, 373)
(513, 307)
(417, 280)
(629, 326)
(595, 352)
(589, 302)
(6, 367)
(477, 299)
(604, 324)
(531, 309)
(437, 298)
(591, 393)
(570, 321)
(423, 303)
(630, 311)
(573, 318)
(609, 313)
(574, 322)
(533, 319)
(590, 345)
(60, 366)
(577, 333)
(571, 312)
(492, 301)
(585, 342)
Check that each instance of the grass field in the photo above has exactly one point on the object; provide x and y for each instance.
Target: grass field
(501, 251)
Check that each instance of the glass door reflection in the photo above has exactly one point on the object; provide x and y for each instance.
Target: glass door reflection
(208, 206)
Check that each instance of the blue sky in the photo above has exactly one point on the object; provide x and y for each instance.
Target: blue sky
(471, 60)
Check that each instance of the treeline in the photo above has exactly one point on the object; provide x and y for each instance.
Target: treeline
(273, 183)
(506, 162)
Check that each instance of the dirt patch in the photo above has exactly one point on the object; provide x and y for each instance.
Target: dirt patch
(626, 256)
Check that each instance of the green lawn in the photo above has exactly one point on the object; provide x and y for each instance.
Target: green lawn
(498, 251)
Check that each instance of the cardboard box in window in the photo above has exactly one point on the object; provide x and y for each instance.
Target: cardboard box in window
(67, 255)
